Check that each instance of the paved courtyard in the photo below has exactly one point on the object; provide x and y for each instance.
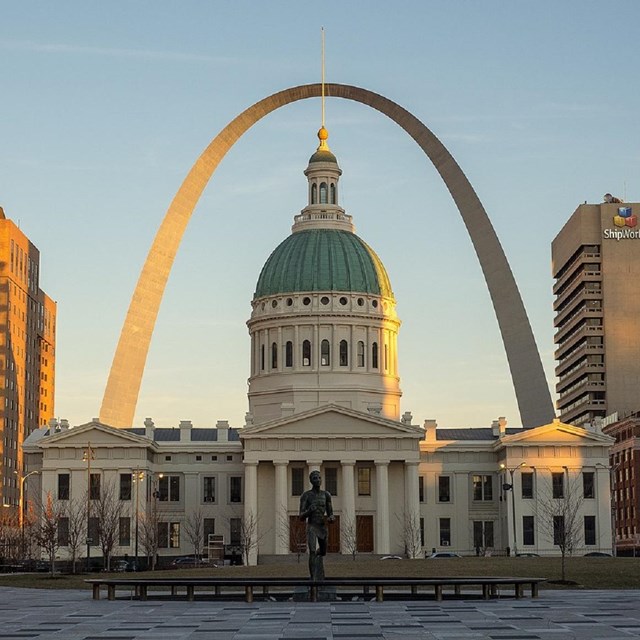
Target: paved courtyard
(556, 615)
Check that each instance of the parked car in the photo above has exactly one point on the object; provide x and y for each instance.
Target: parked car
(391, 558)
(120, 566)
(188, 561)
(443, 554)
(527, 554)
(597, 554)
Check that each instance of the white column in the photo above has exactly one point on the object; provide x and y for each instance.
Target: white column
(412, 509)
(382, 508)
(281, 515)
(314, 465)
(251, 504)
(348, 516)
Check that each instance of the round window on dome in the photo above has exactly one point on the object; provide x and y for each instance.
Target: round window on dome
(324, 300)
(274, 303)
(374, 304)
(343, 300)
(361, 302)
(289, 302)
(306, 301)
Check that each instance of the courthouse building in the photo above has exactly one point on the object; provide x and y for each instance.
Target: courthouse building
(324, 393)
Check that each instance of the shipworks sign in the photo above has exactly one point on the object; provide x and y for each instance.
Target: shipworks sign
(625, 224)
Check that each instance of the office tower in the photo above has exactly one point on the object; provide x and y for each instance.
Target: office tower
(596, 266)
(27, 353)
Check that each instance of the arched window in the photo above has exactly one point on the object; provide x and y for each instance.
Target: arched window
(288, 354)
(344, 353)
(360, 354)
(274, 356)
(323, 193)
(314, 193)
(374, 355)
(325, 353)
(306, 353)
(262, 357)
(332, 193)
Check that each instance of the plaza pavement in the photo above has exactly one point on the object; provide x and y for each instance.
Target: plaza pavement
(555, 615)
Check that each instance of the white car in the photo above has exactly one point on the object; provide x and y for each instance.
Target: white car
(444, 554)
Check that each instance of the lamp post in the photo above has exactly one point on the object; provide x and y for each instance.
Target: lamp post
(509, 487)
(21, 505)
(137, 479)
(88, 456)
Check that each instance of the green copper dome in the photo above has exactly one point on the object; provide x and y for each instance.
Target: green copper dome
(323, 260)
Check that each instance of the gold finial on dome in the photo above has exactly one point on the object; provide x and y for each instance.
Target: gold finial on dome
(323, 134)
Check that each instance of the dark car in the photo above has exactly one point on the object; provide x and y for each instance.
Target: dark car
(188, 561)
(597, 554)
(443, 554)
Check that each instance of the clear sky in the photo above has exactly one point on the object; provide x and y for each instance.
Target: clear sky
(104, 107)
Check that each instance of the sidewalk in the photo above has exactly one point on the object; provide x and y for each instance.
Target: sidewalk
(556, 615)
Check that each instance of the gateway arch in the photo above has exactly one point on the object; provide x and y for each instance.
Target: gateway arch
(123, 385)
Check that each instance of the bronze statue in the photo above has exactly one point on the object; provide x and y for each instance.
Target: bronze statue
(314, 504)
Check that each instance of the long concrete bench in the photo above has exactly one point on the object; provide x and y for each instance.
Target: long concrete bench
(490, 585)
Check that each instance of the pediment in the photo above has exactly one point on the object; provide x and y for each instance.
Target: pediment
(558, 432)
(95, 433)
(332, 421)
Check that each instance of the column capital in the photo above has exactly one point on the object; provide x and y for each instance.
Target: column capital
(280, 463)
(314, 463)
(250, 463)
(348, 463)
(412, 463)
(382, 463)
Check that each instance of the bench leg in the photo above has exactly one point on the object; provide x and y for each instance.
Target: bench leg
(265, 590)
(534, 589)
(96, 592)
(173, 591)
(216, 590)
(414, 590)
(143, 592)
(519, 591)
(379, 593)
(313, 594)
(111, 592)
(494, 591)
(248, 594)
(191, 593)
(456, 589)
(485, 591)
(438, 592)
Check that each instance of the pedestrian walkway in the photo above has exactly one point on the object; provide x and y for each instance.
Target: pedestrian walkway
(556, 615)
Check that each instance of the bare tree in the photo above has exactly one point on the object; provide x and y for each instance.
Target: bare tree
(148, 533)
(76, 512)
(47, 533)
(194, 530)
(250, 535)
(293, 533)
(411, 535)
(107, 510)
(349, 531)
(560, 510)
(10, 539)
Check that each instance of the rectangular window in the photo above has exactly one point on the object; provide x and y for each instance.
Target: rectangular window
(482, 488)
(297, 481)
(421, 488)
(482, 534)
(208, 528)
(235, 489)
(168, 535)
(527, 485)
(558, 530)
(63, 486)
(444, 489)
(174, 535)
(589, 529)
(235, 532)
(364, 481)
(94, 486)
(169, 489)
(209, 489)
(557, 483)
(63, 532)
(125, 486)
(528, 530)
(163, 535)
(124, 532)
(588, 484)
(422, 532)
(94, 535)
(331, 480)
(445, 532)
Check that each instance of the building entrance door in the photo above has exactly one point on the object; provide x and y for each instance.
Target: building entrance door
(364, 533)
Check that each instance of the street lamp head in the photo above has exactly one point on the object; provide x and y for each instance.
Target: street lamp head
(503, 465)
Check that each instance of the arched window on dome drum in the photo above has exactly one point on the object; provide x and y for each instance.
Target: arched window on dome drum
(374, 355)
(262, 357)
(274, 356)
(325, 353)
(344, 353)
(360, 359)
(323, 193)
(306, 353)
(314, 193)
(288, 354)
(332, 193)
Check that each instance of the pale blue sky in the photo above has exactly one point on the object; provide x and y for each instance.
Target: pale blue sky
(104, 107)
